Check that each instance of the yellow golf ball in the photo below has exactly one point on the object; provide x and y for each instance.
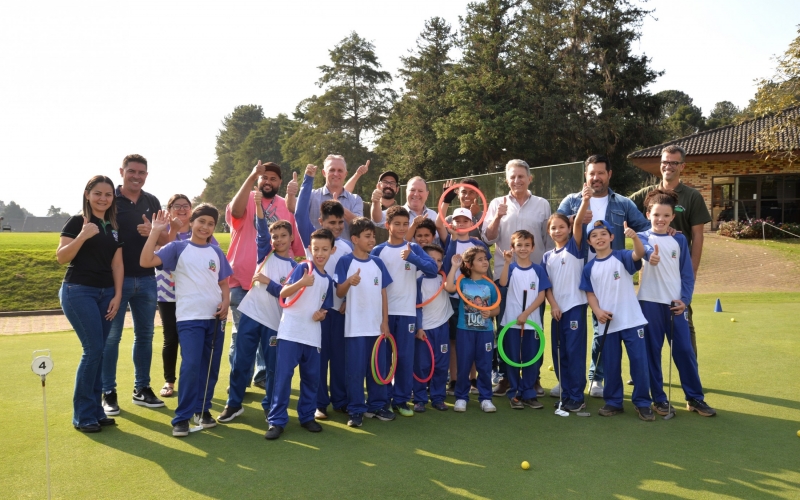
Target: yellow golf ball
(798, 434)
(733, 320)
(551, 368)
(526, 465)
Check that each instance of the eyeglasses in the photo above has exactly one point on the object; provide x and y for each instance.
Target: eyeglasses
(389, 183)
(181, 207)
(672, 164)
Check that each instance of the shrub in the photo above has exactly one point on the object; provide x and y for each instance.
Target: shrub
(755, 228)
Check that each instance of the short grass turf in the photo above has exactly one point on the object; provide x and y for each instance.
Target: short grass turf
(750, 450)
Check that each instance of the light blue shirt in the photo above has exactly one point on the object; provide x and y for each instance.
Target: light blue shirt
(349, 201)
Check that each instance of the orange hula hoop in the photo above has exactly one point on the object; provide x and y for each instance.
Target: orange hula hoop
(468, 186)
(444, 280)
(480, 308)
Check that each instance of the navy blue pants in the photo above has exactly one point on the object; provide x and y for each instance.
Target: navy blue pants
(439, 338)
(195, 337)
(403, 328)
(522, 348)
(571, 331)
(289, 356)
(252, 336)
(658, 327)
(637, 357)
(358, 356)
(332, 352)
(474, 347)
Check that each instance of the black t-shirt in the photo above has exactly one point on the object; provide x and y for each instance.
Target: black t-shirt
(129, 215)
(690, 211)
(92, 264)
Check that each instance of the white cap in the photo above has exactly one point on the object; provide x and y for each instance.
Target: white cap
(462, 212)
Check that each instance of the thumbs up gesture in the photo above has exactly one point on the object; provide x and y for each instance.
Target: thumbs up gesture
(654, 258)
(259, 169)
(363, 169)
(502, 208)
(89, 229)
(406, 251)
(145, 226)
(311, 171)
(629, 233)
(355, 278)
(307, 279)
(586, 192)
(291, 188)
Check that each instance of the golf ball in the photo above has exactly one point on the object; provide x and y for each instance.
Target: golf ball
(733, 320)
(551, 368)
(526, 465)
(798, 434)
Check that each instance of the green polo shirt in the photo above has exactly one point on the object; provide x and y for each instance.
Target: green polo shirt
(690, 211)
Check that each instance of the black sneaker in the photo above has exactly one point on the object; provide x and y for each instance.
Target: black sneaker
(104, 422)
(206, 420)
(261, 384)
(451, 388)
(645, 413)
(110, 406)
(439, 406)
(181, 429)
(502, 388)
(662, 408)
(700, 407)
(89, 428)
(343, 409)
(266, 415)
(356, 420)
(573, 406)
(533, 403)
(146, 397)
(229, 413)
(382, 414)
(274, 432)
(609, 411)
(516, 404)
(419, 408)
(312, 426)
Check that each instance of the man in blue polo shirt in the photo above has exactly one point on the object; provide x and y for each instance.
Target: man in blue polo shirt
(335, 172)
(135, 209)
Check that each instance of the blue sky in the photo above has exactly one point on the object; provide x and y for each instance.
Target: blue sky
(85, 83)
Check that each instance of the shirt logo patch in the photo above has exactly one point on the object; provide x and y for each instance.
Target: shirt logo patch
(115, 235)
(412, 328)
(686, 315)
(324, 295)
(375, 281)
(408, 266)
(212, 266)
(674, 254)
(283, 280)
(616, 275)
(488, 347)
(533, 285)
(573, 325)
(640, 333)
(273, 341)
(563, 261)
(679, 208)
(443, 348)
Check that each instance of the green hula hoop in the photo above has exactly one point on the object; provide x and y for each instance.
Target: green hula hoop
(503, 353)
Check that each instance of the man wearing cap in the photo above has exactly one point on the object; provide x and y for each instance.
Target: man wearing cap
(240, 214)
(384, 195)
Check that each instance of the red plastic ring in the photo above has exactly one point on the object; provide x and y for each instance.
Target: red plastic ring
(469, 186)
(433, 365)
(281, 300)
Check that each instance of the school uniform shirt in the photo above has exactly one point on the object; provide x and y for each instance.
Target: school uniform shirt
(439, 310)
(532, 279)
(296, 323)
(611, 280)
(165, 283)
(365, 312)
(673, 277)
(482, 293)
(261, 302)
(343, 247)
(564, 268)
(401, 292)
(91, 266)
(197, 270)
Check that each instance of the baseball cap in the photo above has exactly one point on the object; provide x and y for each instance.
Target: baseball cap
(462, 212)
(600, 224)
(273, 167)
(389, 173)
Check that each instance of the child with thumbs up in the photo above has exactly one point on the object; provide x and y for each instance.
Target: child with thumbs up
(666, 287)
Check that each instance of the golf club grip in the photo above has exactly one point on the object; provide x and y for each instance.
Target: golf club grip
(524, 304)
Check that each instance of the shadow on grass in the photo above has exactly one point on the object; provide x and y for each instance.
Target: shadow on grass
(786, 403)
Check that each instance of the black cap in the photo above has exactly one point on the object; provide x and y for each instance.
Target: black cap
(389, 173)
(273, 167)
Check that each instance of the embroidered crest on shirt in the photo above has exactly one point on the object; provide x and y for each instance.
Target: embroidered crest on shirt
(212, 266)
(408, 266)
(273, 341)
(533, 285)
(324, 295)
(616, 275)
(115, 235)
(411, 328)
(283, 280)
(674, 254)
(443, 348)
(573, 325)
(563, 261)
(640, 333)
(686, 315)
(375, 281)
(488, 347)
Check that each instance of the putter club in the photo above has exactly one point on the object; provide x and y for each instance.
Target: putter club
(559, 411)
(597, 359)
(199, 426)
(671, 413)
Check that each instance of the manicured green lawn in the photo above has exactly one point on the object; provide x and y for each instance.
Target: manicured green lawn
(749, 370)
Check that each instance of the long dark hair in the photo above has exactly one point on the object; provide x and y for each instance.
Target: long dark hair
(111, 212)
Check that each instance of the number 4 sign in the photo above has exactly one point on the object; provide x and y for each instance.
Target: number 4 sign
(42, 364)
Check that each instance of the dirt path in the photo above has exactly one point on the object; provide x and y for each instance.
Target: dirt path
(39, 324)
(731, 266)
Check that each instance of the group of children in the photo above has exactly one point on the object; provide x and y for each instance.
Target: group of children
(360, 312)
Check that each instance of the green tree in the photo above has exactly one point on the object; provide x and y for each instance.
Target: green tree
(54, 211)
(13, 211)
(263, 143)
(679, 116)
(724, 113)
(410, 143)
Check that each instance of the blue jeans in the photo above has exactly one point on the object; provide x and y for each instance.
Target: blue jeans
(140, 293)
(86, 307)
(237, 294)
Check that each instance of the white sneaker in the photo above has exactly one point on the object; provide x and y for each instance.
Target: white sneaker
(555, 391)
(487, 406)
(461, 405)
(596, 389)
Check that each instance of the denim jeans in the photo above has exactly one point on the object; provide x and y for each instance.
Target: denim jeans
(237, 294)
(140, 294)
(86, 307)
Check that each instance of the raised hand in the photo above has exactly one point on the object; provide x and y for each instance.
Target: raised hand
(258, 197)
(160, 221)
(291, 187)
(363, 169)
(587, 217)
(475, 208)
(145, 226)
(508, 256)
(502, 208)
(175, 224)
(629, 233)
(456, 260)
(654, 258)
(406, 251)
(89, 229)
(586, 192)
(377, 195)
(417, 220)
(355, 278)
(307, 279)
(311, 171)
(259, 169)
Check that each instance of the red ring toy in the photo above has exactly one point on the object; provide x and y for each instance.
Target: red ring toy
(444, 280)
(376, 349)
(433, 364)
(480, 308)
(281, 300)
(454, 186)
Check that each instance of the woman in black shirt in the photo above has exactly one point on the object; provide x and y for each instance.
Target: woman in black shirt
(91, 292)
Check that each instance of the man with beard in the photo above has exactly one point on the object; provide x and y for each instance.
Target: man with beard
(240, 215)
(384, 194)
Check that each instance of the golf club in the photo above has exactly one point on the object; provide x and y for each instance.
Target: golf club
(559, 411)
(671, 412)
(597, 359)
(198, 421)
